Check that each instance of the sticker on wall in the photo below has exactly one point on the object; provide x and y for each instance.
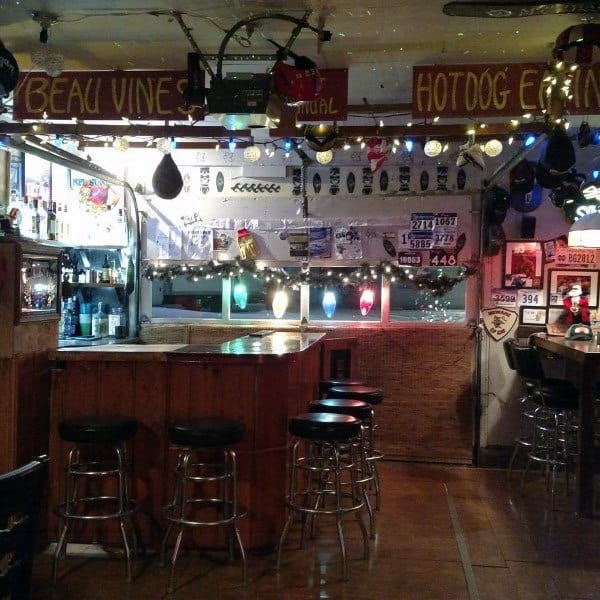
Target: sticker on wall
(388, 246)
(255, 188)
(316, 183)
(367, 180)
(220, 182)
(424, 180)
(297, 181)
(334, 180)
(404, 179)
(460, 242)
(348, 244)
(442, 178)
(384, 181)
(204, 179)
(461, 179)
(498, 321)
(350, 182)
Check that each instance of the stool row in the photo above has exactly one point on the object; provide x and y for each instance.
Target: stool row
(332, 472)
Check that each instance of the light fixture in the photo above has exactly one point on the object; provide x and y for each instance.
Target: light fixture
(280, 303)
(240, 295)
(585, 232)
(121, 144)
(43, 58)
(432, 148)
(324, 157)
(252, 153)
(493, 147)
(163, 145)
(367, 299)
(529, 140)
(409, 144)
(329, 303)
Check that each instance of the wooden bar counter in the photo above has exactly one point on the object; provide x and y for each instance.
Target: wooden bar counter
(259, 380)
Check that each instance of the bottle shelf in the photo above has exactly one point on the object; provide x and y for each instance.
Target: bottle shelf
(97, 285)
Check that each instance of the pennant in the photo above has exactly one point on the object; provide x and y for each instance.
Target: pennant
(377, 153)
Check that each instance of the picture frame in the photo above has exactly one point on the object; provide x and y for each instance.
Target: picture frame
(561, 281)
(523, 265)
(556, 321)
(532, 315)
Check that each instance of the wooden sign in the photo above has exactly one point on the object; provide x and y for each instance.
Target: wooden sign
(495, 90)
(332, 104)
(103, 95)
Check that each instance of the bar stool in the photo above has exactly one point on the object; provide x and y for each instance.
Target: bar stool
(528, 404)
(324, 464)
(372, 396)
(363, 411)
(326, 384)
(99, 452)
(554, 420)
(206, 461)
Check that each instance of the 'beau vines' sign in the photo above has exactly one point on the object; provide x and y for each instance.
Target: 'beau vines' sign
(102, 95)
(495, 90)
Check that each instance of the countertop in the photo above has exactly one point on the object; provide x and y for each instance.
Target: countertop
(272, 345)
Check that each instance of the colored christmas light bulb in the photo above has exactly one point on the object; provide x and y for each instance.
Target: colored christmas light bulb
(280, 303)
(329, 304)
(367, 298)
(240, 295)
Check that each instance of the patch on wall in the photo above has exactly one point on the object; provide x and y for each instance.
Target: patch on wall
(404, 179)
(296, 181)
(316, 183)
(367, 179)
(442, 179)
(334, 180)
(498, 321)
(424, 180)
(350, 182)
(255, 188)
(461, 179)
(384, 181)
(220, 182)
(204, 179)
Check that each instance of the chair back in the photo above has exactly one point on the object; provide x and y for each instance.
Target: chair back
(508, 354)
(20, 499)
(526, 361)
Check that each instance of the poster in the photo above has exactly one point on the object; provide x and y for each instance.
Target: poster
(348, 243)
(320, 242)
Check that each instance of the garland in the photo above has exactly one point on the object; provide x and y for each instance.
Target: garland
(420, 278)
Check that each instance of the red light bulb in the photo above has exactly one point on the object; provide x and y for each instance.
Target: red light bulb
(367, 298)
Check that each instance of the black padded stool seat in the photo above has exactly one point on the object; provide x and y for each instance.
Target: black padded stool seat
(326, 384)
(358, 392)
(558, 394)
(355, 408)
(97, 430)
(206, 432)
(328, 427)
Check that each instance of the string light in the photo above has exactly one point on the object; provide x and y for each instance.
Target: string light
(367, 299)
(240, 295)
(280, 303)
(329, 303)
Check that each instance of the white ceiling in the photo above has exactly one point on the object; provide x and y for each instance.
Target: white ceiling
(379, 40)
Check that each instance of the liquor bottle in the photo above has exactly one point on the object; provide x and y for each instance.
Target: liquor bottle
(106, 270)
(130, 281)
(35, 220)
(75, 318)
(27, 212)
(52, 221)
(43, 211)
(68, 319)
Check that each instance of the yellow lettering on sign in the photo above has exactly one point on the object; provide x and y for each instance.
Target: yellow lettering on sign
(161, 91)
(56, 91)
(524, 84)
(440, 92)
(424, 88)
(118, 93)
(36, 94)
(500, 104)
(75, 96)
(471, 91)
(455, 76)
(591, 82)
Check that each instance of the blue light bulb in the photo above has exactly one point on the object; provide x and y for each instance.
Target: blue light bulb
(409, 145)
(595, 174)
(529, 140)
(287, 144)
(232, 144)
(329, 304)
(240, 295)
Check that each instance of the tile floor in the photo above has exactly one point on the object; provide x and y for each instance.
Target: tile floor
(443, 532)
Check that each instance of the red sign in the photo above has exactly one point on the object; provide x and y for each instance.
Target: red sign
(102, 95)
(495, 90)
(332, 104)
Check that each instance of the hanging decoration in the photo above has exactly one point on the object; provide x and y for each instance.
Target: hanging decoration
(252, 153)
(470, 153)
(321, 138)
(324, 157)
(248, 247)
(329, 303)
(436, 280)
(367, 299)
(167, 181)
(377, 153)
(280, 303)
(240, 295)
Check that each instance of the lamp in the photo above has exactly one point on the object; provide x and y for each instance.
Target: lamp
(585, 232)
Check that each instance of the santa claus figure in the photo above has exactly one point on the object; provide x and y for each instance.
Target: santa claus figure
(577, 306)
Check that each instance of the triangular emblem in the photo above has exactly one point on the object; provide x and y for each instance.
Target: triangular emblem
(498, 321)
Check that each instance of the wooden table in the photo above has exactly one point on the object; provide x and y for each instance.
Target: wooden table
(583, 370)
(260, 381)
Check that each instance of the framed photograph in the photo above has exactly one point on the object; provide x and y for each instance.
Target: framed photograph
(561, 281)
(556, 321)
(532, 315)
(551, 246)
(523, 265)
